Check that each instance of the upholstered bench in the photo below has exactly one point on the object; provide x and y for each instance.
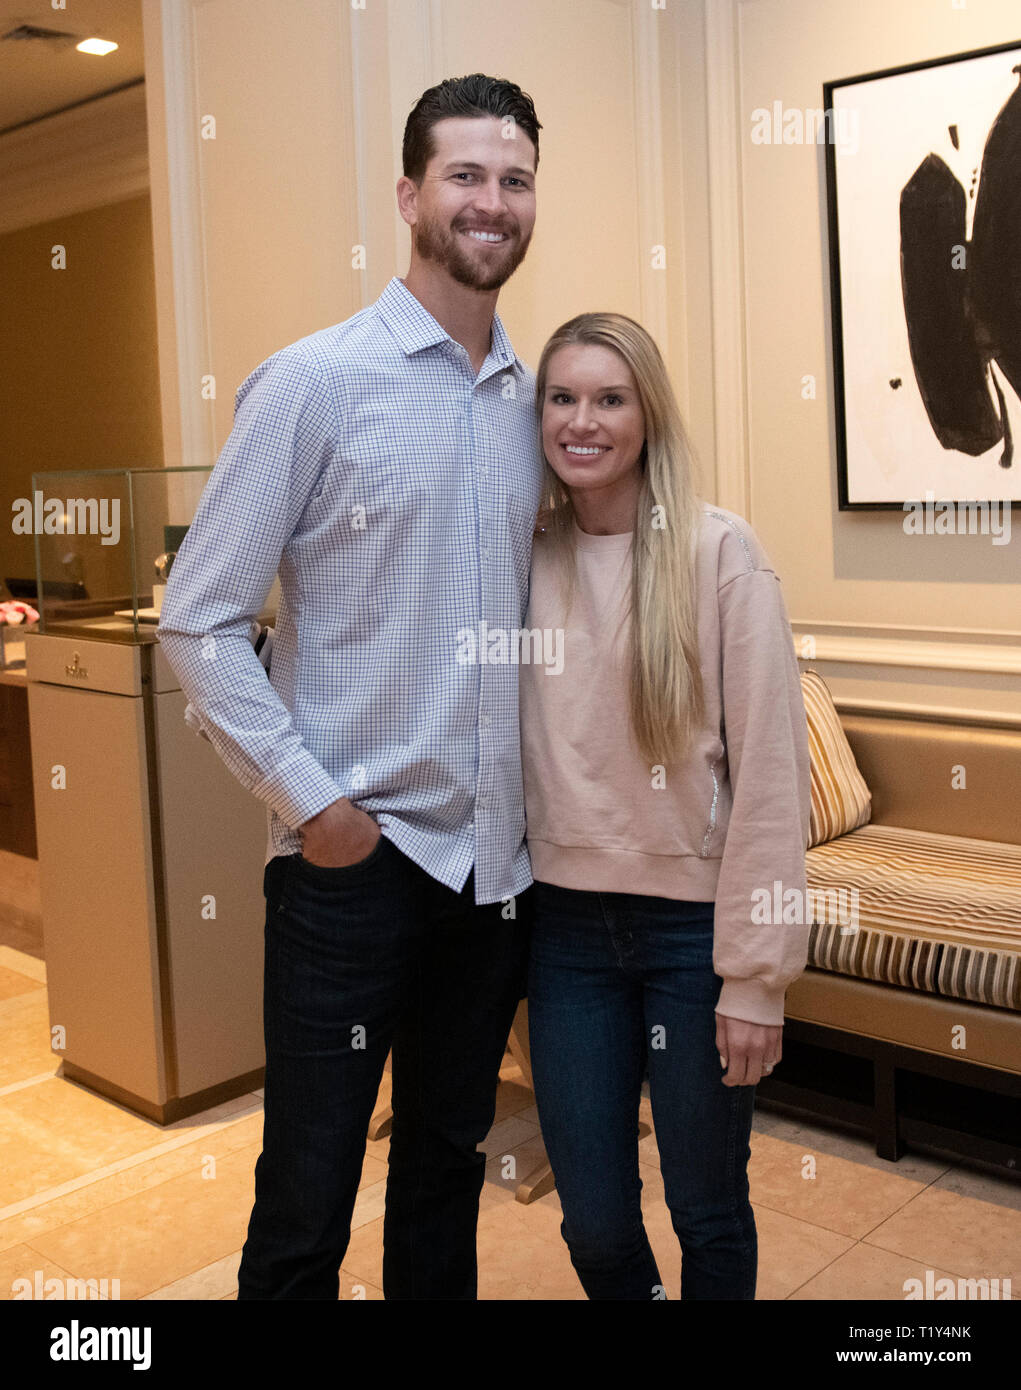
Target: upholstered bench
(907, 1022)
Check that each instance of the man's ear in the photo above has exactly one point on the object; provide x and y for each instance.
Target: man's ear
(407, 195)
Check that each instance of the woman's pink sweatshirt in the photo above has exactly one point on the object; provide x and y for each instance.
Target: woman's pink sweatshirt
(730, 824)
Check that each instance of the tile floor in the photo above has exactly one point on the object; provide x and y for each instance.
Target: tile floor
(89, 1190)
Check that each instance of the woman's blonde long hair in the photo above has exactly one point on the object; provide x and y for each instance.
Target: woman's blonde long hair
(666, 694)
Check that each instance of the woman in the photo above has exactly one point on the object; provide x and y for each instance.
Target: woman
(666, 781)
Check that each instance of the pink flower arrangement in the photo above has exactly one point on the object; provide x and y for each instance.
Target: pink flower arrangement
(13, 611)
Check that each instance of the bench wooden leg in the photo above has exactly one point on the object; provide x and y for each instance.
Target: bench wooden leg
(889, 1144)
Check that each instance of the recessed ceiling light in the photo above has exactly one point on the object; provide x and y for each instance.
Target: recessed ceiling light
(100, 46)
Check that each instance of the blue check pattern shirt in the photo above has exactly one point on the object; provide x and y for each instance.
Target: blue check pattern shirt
(394, 491)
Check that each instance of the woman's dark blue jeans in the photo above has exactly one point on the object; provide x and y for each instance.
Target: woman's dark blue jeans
(619, 982)
(359, 959)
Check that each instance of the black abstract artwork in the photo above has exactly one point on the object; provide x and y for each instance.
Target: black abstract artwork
(961, 297)
(925, 267)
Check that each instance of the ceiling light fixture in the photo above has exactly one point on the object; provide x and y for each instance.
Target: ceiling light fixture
(98, 46)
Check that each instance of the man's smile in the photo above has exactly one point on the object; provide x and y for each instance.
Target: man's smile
(486, 238)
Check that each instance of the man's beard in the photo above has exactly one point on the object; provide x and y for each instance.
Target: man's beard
(433, 242)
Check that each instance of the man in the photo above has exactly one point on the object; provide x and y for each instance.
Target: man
(389, 467)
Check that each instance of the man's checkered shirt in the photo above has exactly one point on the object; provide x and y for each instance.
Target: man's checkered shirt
(394, 491)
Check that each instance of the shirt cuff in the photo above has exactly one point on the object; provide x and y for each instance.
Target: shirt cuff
(308, 790)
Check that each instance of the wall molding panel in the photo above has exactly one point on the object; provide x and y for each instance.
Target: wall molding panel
(727, 258)
(189, 435)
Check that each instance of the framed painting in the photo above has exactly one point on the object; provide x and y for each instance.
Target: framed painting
(924, 211)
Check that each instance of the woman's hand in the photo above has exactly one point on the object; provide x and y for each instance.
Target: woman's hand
(749, 1051)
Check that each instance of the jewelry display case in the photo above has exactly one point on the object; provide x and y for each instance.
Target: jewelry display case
(105, 540)
(151, 853)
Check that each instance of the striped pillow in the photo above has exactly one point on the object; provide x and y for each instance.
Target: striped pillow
(841, 800)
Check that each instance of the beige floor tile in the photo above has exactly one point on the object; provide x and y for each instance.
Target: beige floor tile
(507, 1135)
(57, 1131)
(138, 1177)
(984, 1187)
(166, 1234)
(969, 1237)
(373, 1171)
(370, 1204)
(159, 1236)
(354, 1290)
(25, 1039)
(865, 1273)
(12, 983)
(522, 1255)
(22, 1262)
(648, 1149)
(830, 1192)
(351, 1289)
(23, 963)
(212, 1281)
(843, 1143)
(791, 1252)
(364, 1258)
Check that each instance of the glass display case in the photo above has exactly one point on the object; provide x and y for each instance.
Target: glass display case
(153, 1008)
(105, 540)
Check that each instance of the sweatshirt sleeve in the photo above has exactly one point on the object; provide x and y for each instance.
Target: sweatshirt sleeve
(766, 737)
(284, 436)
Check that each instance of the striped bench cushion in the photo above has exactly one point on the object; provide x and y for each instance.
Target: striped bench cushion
(940, 913)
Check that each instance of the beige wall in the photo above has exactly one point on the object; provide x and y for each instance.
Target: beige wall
(277, 205)
(856, 567)
(78, 356)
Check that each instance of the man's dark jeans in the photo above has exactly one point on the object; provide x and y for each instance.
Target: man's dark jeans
(359, 959)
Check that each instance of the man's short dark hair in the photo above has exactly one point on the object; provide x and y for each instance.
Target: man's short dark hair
(476, 95)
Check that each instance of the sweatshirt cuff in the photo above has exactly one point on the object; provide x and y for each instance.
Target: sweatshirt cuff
(751, 1001)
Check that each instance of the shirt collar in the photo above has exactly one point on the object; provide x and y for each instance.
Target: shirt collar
(415, 328)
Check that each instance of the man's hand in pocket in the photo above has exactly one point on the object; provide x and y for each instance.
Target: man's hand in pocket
(341, 835)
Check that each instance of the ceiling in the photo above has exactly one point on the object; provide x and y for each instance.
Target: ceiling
(41, 76)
